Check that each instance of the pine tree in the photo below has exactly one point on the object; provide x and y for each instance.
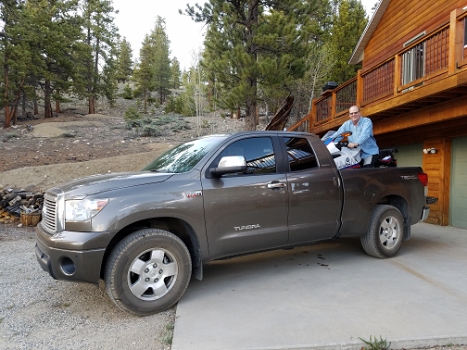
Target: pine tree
(109, 78)
(161, 64)
(124, 64)
(318, 60)
(15, 57)
(175, 74)
(100, 38)
(53, 31)
(348, 25)
(144, 73)
(252, 43)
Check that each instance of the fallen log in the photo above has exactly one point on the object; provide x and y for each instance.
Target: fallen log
(282, 115)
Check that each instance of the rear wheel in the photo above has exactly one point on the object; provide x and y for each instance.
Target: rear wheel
(148, 272)
(385, 232)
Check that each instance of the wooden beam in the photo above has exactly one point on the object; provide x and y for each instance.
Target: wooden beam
(453, 128)
(436, 113)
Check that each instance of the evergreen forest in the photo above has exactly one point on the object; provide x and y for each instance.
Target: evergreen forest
(256, 54)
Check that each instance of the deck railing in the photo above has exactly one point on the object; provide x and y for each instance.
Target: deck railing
(334, 102)
(427, 59)
(378, 82)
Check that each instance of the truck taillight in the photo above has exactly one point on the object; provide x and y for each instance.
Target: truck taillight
(423, 177)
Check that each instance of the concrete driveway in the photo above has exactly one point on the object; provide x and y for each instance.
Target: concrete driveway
(328, 295)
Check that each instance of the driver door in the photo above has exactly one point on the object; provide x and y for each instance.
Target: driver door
(246, 212)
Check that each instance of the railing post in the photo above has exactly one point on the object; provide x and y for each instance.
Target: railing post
(312, 119)
(359, 97)
(333, 104)
(453, 42)
(397, 73)
(456, 43)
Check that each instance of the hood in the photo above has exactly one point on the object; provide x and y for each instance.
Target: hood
(95, 184)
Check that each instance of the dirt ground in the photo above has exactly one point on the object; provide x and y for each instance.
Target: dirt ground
(40, 153)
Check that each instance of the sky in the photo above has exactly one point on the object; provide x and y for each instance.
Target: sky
(136, 18)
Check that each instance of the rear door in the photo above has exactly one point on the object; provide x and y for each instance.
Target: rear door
(314, 193)
(247, 212)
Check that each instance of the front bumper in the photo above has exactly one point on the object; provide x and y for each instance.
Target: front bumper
(68, 263)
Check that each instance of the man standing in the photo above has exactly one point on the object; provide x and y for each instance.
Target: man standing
(362, 135)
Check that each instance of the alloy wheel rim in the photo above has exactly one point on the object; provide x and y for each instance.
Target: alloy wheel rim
(152, 274)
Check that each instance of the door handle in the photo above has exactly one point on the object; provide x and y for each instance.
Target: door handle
(276, 185)
(336, 181)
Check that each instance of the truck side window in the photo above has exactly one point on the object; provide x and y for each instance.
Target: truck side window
(300, 154)
(258, 153)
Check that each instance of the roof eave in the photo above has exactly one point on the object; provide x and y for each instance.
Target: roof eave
(358, 53)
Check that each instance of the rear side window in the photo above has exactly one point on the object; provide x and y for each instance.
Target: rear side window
(300, 154)
(258, 153)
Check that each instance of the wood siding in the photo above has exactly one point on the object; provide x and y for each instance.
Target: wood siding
(402, 21)
(436, 165)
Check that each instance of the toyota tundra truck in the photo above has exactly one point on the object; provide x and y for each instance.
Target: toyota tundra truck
(147, 233)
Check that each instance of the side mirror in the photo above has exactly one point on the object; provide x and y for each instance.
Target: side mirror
(229, 165)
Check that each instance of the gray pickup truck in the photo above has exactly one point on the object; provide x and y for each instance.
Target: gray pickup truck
(145, 233)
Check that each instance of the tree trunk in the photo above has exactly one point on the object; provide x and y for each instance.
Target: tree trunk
(5, 97)
(92, 105)
(250, 105)
(23, 103)
(57, 104)
(47, 105)
(92, 97)
(57, 107)
(250, 119)
(14, 114)
(12, 111)
(257, 114)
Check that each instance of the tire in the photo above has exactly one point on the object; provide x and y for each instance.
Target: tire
(385, 232)
(148, 272)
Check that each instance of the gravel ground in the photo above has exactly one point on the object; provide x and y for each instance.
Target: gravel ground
(38, 312)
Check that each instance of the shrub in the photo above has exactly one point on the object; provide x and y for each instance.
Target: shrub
(127, 92)
(151, 130)
(180, 125)
(132, 113)
(70, 134)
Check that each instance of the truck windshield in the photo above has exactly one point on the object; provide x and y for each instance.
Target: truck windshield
(185, 156)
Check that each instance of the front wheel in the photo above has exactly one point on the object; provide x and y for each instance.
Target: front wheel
(148, 272)
(385, 232)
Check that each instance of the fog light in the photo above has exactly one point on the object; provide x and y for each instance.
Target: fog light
(68, 266)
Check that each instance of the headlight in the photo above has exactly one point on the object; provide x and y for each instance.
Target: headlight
(83, 209)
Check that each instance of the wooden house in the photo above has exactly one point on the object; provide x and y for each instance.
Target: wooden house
(413, 85)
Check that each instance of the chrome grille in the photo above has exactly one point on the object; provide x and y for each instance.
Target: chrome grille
(51, 210)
